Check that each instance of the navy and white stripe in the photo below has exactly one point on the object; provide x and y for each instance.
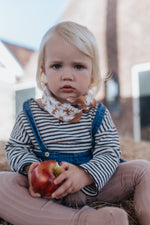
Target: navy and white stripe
(65, 137)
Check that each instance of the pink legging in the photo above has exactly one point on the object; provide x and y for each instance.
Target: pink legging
(19, 208)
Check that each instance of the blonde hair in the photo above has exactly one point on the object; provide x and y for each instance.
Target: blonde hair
(80, 37)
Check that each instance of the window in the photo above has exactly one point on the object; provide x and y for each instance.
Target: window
(21, 96)
(141, 101)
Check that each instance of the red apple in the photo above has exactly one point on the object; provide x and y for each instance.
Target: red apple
(43, 176)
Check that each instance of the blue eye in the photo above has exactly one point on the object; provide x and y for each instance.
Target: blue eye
(78, 67)
(56, 66)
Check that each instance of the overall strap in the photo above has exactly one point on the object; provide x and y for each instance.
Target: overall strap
(97, 120)
(28, 112)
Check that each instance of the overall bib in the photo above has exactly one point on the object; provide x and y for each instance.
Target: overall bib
(74, 158)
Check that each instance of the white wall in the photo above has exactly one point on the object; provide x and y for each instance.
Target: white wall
(11, 68)
(6, 111)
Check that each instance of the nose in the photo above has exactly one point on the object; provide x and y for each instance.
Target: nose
(67, 75)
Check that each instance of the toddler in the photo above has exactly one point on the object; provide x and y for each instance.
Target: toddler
(68, 125)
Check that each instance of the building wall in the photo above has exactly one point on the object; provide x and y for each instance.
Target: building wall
(122, 30)
(15, 79)
(133, 39)
(11, 105)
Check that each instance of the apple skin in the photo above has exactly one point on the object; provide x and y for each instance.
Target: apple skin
(43, 176)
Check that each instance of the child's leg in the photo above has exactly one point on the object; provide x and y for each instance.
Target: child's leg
(19, 208)
(132, 177)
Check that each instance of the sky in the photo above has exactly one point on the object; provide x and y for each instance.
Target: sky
(24, 22)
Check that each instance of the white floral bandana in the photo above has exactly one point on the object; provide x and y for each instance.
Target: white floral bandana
(70, 112)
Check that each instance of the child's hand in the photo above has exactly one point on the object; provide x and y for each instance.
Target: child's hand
(73, 179)
(31, 168)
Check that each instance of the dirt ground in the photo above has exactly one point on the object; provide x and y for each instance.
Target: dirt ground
(130, 150)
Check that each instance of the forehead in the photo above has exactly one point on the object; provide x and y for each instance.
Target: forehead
(55, 41)
(57, 46)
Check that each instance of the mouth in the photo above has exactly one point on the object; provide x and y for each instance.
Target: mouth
(67, 88)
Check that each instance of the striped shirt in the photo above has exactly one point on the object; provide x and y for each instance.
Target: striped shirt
(65, 137)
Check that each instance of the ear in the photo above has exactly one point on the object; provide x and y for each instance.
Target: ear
(43, 69)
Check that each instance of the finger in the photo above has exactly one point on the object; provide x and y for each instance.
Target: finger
(64, 189)
(61, 178)
(31, 168)
(61, 192)
(33, 194)
(65, 165)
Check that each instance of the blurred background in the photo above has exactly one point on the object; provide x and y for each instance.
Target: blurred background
(122, 30)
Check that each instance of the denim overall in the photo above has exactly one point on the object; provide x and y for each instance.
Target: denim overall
(74, 158)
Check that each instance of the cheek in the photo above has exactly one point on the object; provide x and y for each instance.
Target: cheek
(84, 85)
(52, 82)
(51, 78)
(85, 81)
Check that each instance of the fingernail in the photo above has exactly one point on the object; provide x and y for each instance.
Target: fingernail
(53, 195)
(55, 182)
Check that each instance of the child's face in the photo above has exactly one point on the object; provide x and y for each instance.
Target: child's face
(67, 69)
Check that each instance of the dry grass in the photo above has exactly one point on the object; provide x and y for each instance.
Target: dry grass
(130, 150)
(4, 166)
(134, 150)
